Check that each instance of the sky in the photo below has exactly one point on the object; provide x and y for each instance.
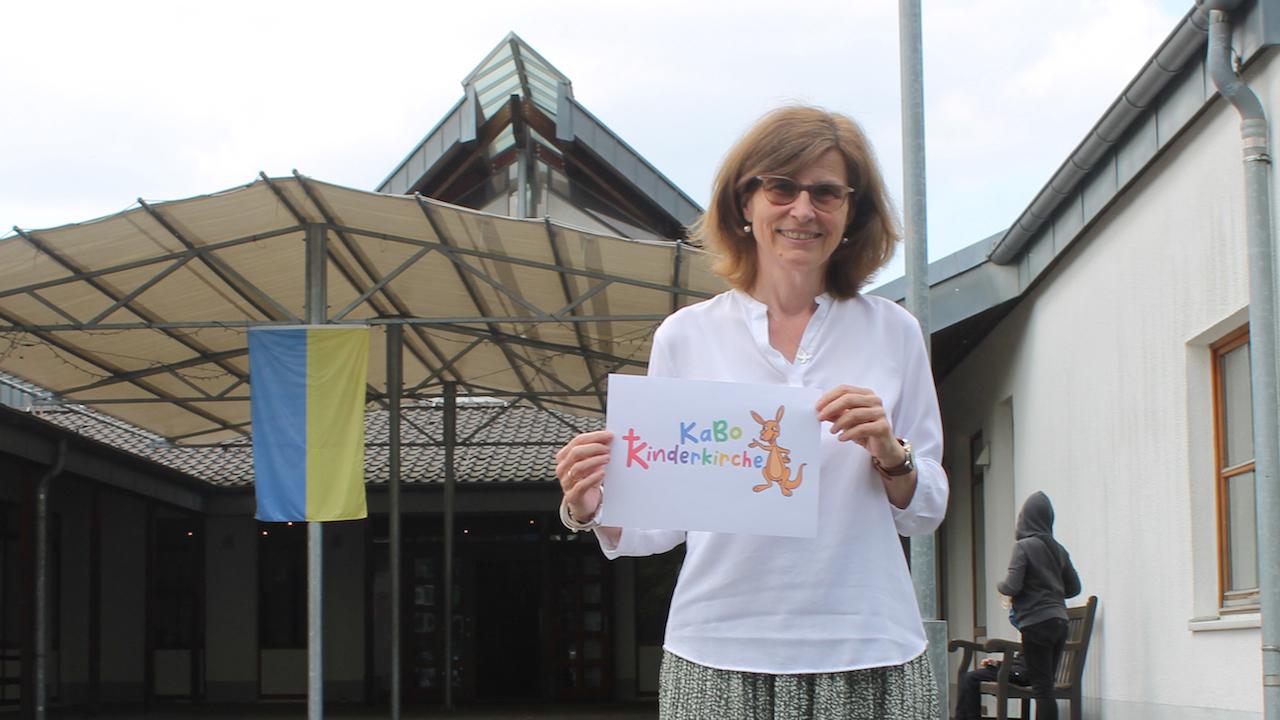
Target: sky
(104, 103)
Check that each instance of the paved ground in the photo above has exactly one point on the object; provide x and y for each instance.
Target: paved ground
(265, 711)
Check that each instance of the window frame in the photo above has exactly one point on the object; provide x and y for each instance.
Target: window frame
(977, 550)
(282, 546)
(1228, 600)
(177, 582)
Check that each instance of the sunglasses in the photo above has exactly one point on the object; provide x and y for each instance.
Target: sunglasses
(782, 190)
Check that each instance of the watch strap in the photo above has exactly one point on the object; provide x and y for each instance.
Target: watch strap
(903, 468)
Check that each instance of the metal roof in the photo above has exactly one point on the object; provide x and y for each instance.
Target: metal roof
(515, 90)
(514, 68)
(143, 315)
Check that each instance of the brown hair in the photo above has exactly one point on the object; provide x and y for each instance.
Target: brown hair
(784, 142)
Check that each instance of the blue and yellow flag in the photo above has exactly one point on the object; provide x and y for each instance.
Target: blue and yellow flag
(307, 402)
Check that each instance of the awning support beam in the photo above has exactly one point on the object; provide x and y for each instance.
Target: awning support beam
(261, 301)
(501, 288)
(567, 310)
(447, 364)
(398, 309)
(543, 344)
(76, 323)
(134, 308)
(381, 283)
(111, 369)
(138, 291)
(525, 262)
(416, 321)
(476, 300)
(161, 369)
(157, 260)
(568, 296)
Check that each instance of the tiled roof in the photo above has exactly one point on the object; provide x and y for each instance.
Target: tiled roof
(422, 460)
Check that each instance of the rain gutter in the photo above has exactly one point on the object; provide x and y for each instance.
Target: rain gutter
(1181, 45)
(1262, 333)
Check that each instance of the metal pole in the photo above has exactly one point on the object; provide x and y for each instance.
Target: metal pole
(915, 212)
(42, 577)
(1263, 332)
(915, 220)
(315, 311)
(395, 385)
(450, 484)
(95, 599)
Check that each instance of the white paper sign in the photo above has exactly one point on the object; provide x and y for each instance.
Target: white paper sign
(715, 456)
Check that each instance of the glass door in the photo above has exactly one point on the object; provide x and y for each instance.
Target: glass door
(583, 641)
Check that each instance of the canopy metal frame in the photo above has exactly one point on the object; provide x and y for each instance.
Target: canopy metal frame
(376, 302)
(83, 304)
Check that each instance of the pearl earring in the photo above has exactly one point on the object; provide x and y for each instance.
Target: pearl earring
(747, 228)
(844, 241)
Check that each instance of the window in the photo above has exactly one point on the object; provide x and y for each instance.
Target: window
(978, 521)
(178, 579)
(1233, 450)
(282, 585)
(13, 593)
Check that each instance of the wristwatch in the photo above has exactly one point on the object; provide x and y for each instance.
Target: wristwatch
(570, 522)
(906, 466)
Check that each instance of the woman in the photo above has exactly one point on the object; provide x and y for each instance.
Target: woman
(1041, 577)
(823, 627)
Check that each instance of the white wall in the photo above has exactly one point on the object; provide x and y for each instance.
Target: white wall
(1105, 366)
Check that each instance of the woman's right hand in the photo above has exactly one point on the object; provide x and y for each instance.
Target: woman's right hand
(580, 467)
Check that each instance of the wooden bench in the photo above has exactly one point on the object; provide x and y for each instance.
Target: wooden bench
(1067, 684)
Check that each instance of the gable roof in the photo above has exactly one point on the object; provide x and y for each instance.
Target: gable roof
(33, 439)
(515, 99)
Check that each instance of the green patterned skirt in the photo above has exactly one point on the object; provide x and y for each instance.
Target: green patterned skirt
(689, 691)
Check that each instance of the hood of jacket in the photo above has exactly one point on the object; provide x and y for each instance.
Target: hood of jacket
(1036, 517)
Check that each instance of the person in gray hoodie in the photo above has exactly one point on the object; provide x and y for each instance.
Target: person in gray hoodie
(1041, 578)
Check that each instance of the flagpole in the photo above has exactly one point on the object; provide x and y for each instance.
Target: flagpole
(395, 385)
(924, 572)
(315, 311)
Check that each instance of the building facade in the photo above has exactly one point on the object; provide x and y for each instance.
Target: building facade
(1111, 371)
(1096, 351)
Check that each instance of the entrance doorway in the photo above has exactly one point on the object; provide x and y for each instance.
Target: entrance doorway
(532, 611)
(507, 632)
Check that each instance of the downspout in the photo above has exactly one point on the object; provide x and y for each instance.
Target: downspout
(42, 576)
(1262, 336)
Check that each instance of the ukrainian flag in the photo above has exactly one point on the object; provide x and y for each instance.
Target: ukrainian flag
(307, 403)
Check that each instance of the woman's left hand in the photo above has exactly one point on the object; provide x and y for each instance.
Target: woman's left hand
(857, 414)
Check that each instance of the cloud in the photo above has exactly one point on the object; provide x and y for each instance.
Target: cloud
(106, 102)
(1002, 122)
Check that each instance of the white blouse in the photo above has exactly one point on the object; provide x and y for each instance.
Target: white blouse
(840, 601)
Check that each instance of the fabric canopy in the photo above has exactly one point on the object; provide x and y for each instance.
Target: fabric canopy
(144, 315)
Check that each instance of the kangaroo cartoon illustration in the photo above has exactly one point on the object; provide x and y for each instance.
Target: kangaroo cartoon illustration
(776, 469)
